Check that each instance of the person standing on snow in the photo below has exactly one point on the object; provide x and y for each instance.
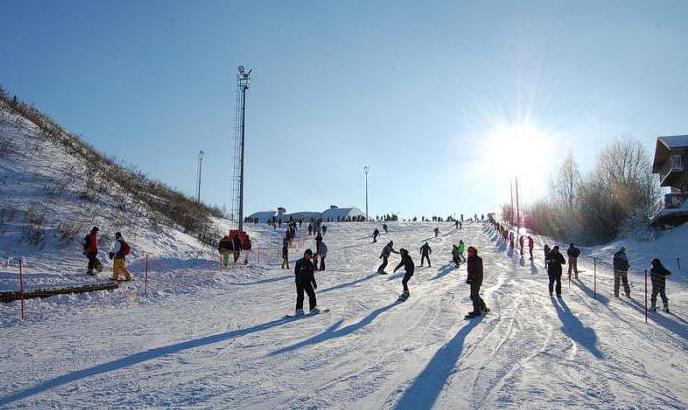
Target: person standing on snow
(376, 233)
(225, 248)
(321, 249)
(324, 229)
(310, 229)
(461, 249)
(236, 245)
(520, 243)
(621, 267)
(386, 251)
(384, 228)
(425, 252)
(285, 252)
(474, 268)
(120, 250)
(409, 267)
(573, 254)
(658, 274)
(530, 247)
(554, 262)
(456, 224)
(305, 282)
(437, 232)
(90, 244)
(547, 251)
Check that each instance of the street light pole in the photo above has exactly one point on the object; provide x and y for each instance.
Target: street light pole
(366, 169)
(243, 81)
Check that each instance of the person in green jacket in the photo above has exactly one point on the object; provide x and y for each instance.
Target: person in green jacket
(461, 249)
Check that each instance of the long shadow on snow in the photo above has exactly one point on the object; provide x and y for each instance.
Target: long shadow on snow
(428, 385)
(347, 284)
(135, 359)
(574, 329)
(332, 332)
(670, 325)
(260, 282)
(444, 270)
(599, 297)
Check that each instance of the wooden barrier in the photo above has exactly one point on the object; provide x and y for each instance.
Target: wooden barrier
(7, 297)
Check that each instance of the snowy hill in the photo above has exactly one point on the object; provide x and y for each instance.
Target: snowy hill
(225, 344)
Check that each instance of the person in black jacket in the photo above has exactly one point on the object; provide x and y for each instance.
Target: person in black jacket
(376, 233)
(546, 250)
(305, 282)
(386, 251)
(554, 262)
(474, 268)
(225, 247)
(621, 267)
(409, 267)
(658, 274)
(285, 252)
(425, 252)
(236, 244)
(573, 254)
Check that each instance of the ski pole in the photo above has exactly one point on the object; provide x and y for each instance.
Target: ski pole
(21, 286)
(645, 295)
(594, 277)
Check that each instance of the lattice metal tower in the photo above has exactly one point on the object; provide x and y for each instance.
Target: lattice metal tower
(237, 207)
(198, 176)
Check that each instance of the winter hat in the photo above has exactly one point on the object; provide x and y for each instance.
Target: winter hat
(473, 250)
(95, 229)
(308, 252)
(556, 247)
(118, 235)
(403, 251)
(622, 249)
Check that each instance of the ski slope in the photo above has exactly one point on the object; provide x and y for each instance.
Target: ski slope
(222, 341)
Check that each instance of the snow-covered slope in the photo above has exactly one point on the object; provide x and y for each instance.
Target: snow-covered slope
(225, 344)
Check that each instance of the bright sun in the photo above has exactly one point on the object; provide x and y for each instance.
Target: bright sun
(523, 151)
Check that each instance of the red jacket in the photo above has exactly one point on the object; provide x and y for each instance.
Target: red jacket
(92, 243)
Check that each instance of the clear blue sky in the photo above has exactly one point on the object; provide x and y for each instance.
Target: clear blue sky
(413, 89)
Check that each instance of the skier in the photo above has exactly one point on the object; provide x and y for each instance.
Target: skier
(224, 247)
(305, 282)
(658, 274)
(90, 245)
(120, 250)
(474, 268)
(408, 265)
(376, 233)
(520, 243)
(554, 262)
(437, 232)
(461, 249)
(547, 251)
(530, 247)
(425, 252)
(386, 251)
(384, 228)
(236, 245)
(285, 253)
(621, 267)
(573, 253)
(321, 249)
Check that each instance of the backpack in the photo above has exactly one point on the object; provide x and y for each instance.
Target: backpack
(84, 243)
(125, 248)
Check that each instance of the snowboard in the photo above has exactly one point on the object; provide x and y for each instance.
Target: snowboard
(306, 315)
(382, 273)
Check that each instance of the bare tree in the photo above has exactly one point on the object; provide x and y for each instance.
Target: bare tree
(565, 185)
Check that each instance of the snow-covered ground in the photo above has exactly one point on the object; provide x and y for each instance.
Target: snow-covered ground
(206, 337)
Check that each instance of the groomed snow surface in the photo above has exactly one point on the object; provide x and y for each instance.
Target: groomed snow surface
(205, 337)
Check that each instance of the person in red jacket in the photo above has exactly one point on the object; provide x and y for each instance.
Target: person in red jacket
(91, 251)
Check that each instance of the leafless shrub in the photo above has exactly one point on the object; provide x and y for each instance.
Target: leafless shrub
(67, 231)
(6, 148)
(34, 228)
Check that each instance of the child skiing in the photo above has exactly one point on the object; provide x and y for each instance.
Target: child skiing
(425, 252)
(119, 252)
(658, 274)
(305, 282)
(474, 268)
(408, 265)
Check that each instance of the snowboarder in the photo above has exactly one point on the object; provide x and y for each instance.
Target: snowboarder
(386, 251)
(573, 253)
(461, 249)
(285, 253)
(321, 249)
(376, 233)
(658, 274)
(120, 250)
(621, 267)
(425, 252)
(547, 251)
(474, 268)
(530, 247)
(554, 262)
(90, 245)
(236, 245)
(384, 228)
(408, 265)
(305, 282)
(437, 232)
(225, 247)
(324, 229)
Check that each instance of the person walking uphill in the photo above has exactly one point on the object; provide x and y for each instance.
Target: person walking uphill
(425, 252)
(90, 245)
(658, 274)
(554, 261)
(409, 267)
(386, 251)
(573, 254)
(225, 248)
(305, 282)
(321, 249)
(119, 252)
(285, 252)
(474, 268)
(621, 267)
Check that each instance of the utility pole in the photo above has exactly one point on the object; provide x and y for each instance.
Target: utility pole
(366, 169)
(518, 214)
(198, 176)
(243, 81)
(511, 193)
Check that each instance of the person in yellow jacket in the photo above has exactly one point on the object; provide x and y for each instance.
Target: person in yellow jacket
(119, 252)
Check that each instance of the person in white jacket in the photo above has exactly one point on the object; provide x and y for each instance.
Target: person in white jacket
(119, 251)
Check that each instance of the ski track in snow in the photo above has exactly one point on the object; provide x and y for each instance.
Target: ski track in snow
(222, 341)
